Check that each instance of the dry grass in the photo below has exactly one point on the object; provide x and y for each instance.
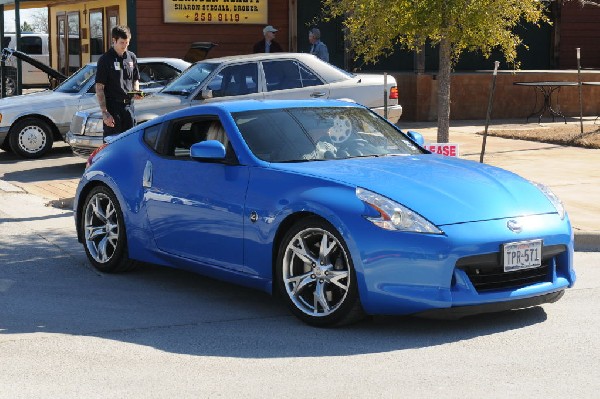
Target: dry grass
(556, 134)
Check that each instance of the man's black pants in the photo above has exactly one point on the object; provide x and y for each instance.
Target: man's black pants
(122, 113)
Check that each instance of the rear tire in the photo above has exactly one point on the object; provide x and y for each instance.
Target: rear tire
(316, 276)
(30, 137)
(103, 228)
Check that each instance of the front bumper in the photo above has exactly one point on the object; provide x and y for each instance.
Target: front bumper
(409, 273)
(83, 146)
(459, 312)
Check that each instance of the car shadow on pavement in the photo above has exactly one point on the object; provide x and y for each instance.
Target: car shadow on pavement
(56, 152)
(59, 172)
(47, 289)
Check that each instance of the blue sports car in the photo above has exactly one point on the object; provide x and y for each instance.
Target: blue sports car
(328, 204)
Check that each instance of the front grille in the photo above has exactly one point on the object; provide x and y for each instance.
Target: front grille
(486, 271)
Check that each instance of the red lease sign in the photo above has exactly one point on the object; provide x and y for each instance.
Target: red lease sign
(447, 149)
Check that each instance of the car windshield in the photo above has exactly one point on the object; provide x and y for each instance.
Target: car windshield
(189, 81)
(78, 80)
(320, 133)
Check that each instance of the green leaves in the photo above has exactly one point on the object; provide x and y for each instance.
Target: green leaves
(376, 26)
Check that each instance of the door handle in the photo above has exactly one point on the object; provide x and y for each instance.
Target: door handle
(147, 179)
(317, 94)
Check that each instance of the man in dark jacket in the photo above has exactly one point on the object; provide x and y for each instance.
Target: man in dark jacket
(268, 44)
(117, 76)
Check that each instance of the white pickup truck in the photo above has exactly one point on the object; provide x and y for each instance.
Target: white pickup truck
(34, 45)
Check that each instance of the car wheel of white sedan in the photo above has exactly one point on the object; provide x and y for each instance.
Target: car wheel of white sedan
(316, 275)
(104, 232)
(30, 138)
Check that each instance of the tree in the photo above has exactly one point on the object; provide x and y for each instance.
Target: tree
(26, 27)
(375, 27)
(40, 20)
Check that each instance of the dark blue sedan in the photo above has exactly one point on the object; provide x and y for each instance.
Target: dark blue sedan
(327, 203)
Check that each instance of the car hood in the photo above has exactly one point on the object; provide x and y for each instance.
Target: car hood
(39, 97)
(153, 105)
(444, 190)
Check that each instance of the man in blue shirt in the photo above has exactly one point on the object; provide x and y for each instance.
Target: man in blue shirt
(318, 48)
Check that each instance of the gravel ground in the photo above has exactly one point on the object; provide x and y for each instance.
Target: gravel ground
(557, 134)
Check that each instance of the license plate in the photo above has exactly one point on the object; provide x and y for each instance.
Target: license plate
(522, 255)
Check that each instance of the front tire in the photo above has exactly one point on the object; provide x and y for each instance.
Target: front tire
(30, 138)
(103, 228)
(316, 276)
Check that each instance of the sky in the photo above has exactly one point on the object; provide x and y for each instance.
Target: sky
(9, 18)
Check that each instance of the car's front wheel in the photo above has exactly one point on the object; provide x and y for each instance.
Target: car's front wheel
(30, 137)
(316, 275)
(103, 227)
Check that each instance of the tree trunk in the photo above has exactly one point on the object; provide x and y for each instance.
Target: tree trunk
(443, 100)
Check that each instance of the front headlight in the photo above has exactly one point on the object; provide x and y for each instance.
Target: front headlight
(393, 216)
(558, 205)
(93, 127)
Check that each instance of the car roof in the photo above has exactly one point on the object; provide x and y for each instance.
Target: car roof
(253, 105)
(156, 59)
(259, 56)
(330, 72)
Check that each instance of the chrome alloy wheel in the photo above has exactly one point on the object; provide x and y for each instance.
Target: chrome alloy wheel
(32, 139)
(101, 225)
(316, 272)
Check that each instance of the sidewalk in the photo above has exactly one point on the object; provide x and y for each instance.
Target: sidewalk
(573, 173)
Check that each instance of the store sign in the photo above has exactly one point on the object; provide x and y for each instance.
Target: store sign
(447, 149)
(216, 11)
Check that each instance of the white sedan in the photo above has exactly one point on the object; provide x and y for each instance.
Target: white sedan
(30, 123)
(253, 76)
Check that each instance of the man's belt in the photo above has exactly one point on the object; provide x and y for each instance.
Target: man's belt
(126, 101)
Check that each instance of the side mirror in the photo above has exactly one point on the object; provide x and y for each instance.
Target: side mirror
(209, 150)
(416, 137)
(206, 94)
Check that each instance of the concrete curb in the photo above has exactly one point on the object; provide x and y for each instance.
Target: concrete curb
(587, 241)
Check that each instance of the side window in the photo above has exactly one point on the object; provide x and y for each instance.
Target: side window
(186, 133)
(282, 75)
(151, 135)
(235, 80)
(308, 77)
(31, 45)
(156, 74)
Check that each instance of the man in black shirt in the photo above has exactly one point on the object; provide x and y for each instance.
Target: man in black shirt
(117, 75)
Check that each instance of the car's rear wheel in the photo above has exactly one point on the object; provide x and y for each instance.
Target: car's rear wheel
(316, 275)
(103, 228)
(30, 137)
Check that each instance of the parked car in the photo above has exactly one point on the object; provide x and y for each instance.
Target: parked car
(327, 203)
(254, 76)
(30, 123)
(34, 45)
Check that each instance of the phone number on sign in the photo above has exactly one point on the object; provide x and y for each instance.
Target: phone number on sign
(213, 17)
